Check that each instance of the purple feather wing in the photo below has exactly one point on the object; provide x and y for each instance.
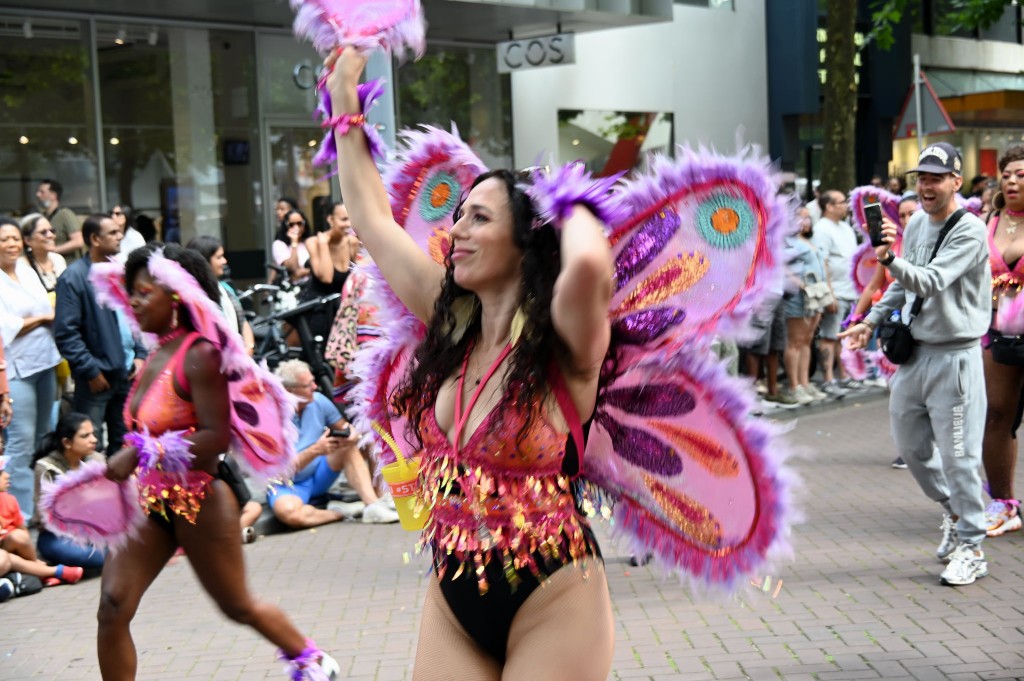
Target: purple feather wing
(701, 247)
(391, 25)
(694, 480)
(425, 182)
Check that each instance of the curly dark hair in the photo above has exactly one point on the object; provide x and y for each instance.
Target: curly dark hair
(1012, 154)
(438, 356)
(190, 260)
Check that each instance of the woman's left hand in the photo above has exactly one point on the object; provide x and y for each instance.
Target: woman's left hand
(6, 411)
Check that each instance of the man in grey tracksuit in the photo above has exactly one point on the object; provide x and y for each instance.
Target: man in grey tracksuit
(938, 396)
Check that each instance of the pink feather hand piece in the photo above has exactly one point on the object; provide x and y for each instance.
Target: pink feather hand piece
(86, 508)
(861, 196)
(367, 25)
(168, 452)
(554, 195)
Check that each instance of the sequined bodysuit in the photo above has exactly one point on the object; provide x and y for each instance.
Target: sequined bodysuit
(161, 409)
(504, 516)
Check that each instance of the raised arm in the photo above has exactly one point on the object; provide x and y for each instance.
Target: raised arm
(413, 275)
(579, 308)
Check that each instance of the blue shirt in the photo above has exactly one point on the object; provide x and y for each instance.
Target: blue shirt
(317, 415)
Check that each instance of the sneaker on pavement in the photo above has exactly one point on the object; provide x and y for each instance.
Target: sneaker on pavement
(966, 564)
(330, 667)
(833, 390)
(816, 392)
(347, 509)
(783, 399)
(6, 590)
(802, 396)
(1002, 516)
(851, 384)
(388, 500)
(950, 539)
(379, 513)
(898, 462)
(761, 387)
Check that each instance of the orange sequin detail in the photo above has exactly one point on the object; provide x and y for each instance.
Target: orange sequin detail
(693, 518)
(180, 494)
(672, 278)
(725, 220)
(711, 456)
(438, 245)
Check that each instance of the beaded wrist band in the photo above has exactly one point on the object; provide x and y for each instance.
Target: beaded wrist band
(368, 93)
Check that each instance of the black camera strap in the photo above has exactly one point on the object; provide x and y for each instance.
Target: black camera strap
(953, 219)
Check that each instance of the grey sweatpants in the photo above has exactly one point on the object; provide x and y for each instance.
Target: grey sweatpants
(939, 397)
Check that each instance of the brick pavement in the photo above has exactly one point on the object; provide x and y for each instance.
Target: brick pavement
(860, 601)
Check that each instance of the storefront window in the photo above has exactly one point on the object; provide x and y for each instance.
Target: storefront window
(460, 85)
(46, 114)
(180, 137)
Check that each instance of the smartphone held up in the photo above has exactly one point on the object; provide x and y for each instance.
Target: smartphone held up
(873, 218)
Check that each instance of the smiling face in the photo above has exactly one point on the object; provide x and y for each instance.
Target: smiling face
(83, 443)
(339, 221)
(935, 192)
(42, 240)
(218, 262)
(484, 252)
(151, 303)
(11, 245)
(1011, 183)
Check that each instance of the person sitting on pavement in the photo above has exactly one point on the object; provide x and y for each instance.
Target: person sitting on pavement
(16, 550)
(60, 452)
(323, 452)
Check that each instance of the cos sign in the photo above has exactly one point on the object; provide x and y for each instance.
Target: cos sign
(528, 53)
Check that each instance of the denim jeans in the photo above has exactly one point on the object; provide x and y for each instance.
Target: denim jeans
(33, 414)
(58, 551)
(104, 409)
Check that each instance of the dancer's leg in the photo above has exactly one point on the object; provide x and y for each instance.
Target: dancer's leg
(214, 548)
(565, 628)
(126, 576)
(445, 650)
(1003, 386)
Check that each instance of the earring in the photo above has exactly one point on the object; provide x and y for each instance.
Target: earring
(519, 321)
(174, 316)
(464, 310)
(998, 200)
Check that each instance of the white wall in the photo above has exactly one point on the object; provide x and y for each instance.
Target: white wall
(707, 67)
(968, 54)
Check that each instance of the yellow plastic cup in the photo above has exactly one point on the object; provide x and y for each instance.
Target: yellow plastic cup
(403, 477)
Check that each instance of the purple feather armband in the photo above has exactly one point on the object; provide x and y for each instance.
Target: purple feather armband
(167, 453)
(555, 194)
(368, 92)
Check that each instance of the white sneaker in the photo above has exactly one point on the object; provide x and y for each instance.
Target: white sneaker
(330, 667)
(388, 500)
(379, 513)
(815, 392)
(347, 509)
(966, 564)
(802, 396)
(950, 539)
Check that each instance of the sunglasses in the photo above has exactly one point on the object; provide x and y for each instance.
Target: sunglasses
(300, 223)
(45, 232)
(116, 212)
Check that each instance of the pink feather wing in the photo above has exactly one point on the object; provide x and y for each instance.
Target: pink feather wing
(695, 480)
(699, 251)
(391, 25)
(861, 196)
(88, 509)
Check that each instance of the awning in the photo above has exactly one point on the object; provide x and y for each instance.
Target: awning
(1002, 108)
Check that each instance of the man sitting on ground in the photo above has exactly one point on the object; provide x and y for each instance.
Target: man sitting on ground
(323, 452)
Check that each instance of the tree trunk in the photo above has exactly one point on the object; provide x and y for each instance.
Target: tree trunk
(840, 90)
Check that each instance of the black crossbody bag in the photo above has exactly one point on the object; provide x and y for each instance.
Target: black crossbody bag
(894, 336)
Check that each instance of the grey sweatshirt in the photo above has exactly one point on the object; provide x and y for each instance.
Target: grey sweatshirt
(956, 285)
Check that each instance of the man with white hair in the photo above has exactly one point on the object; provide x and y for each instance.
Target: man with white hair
(326, 446)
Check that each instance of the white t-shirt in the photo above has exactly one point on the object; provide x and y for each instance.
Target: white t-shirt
(132, 240)
(837, 244)
(282, 251)
(34, 351)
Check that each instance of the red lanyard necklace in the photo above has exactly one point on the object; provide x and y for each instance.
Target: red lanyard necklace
(462, 417)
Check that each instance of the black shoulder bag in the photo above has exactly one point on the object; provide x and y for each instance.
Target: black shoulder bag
(894, 336)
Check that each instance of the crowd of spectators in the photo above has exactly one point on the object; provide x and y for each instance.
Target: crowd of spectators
(57, 341)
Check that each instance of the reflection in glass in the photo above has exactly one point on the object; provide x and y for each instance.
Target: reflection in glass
(609, 142)
(460, 85)
(46, 114)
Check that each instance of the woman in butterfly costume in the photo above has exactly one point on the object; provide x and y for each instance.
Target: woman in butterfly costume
(522, 321)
